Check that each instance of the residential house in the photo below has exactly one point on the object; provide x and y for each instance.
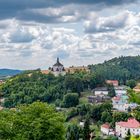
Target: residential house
(120, 103)
(120, 90)
(100, 91)
(123, 127)
(107, 130)
(98, 99)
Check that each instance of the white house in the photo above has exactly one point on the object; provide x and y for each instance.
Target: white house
(101, 91)
(106, 129)
(120, 90)
(121, 103)
(123, 127)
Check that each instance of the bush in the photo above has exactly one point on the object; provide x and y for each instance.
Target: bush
(71, 100)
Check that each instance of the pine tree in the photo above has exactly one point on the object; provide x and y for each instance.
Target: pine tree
(86, 130)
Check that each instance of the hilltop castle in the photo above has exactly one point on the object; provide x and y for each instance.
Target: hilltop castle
(58, 69)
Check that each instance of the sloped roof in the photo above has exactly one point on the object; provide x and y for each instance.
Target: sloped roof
(57, 63)
(131, 123)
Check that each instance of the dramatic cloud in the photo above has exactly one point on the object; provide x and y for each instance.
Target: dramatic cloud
(28, 10)
(80, 32)
(111, 23)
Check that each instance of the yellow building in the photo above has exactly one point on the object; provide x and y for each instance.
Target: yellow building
(74, 69)
(137, 88)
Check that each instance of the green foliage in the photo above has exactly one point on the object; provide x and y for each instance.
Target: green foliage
(86, 129)
(106, 116)
(119, 116)
(136, 113)
(122, 69)
(128, 135)
(97, 110)
(37, 121)
(112, 138)
(73, 132)
(30, 87)
(131, 83)
(111, 90)
(71, 100)
(134, 97)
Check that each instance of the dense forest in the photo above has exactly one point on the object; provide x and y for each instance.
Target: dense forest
(32, 86)
(122, 69)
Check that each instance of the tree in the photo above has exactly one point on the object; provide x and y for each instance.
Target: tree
(131, 83)
(86, 130)
(37, 121)
(136, 113)
(71, 100)
(72, 132)
(128, 135)
(106, 117)
(111, 90)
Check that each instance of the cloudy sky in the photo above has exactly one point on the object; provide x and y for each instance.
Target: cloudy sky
(81, 32)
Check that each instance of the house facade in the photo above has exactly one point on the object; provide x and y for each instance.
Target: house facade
(107, 130)
(101, 91)
(123, 127)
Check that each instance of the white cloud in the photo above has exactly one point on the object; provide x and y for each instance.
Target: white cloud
(98, 24)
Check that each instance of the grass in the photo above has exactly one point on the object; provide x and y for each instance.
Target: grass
(84, 95)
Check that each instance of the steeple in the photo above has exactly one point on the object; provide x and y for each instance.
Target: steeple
(57, 62)
(57, 59)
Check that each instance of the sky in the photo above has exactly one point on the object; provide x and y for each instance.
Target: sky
(33, 33)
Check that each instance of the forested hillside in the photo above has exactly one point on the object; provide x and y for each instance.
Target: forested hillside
(33, 85)
(122, 68)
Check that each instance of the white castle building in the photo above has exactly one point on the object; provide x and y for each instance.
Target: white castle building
(58, 68)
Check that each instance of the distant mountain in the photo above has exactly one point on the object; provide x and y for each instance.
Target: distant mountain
(9, 72)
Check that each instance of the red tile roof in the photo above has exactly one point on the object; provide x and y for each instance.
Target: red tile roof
(114, 82)
(131, 123)
(117, 98)
(106, 125)
(45, 71)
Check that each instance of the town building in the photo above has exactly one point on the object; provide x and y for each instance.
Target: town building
(120, 103)
(120, 90)
(56, 69)
(123, 127)
(137, 88)
(100, 91)
(74, 69)
(112, 82)
(107, 130)
(98, 99)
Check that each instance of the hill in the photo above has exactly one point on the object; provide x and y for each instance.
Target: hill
(122, 68)
(9, 72)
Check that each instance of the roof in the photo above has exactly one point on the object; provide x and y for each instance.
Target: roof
(116, 98)
(112, 82)
(131, 123)
(100, 89)
(45, 71)
(106, 125)
(57, 63)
